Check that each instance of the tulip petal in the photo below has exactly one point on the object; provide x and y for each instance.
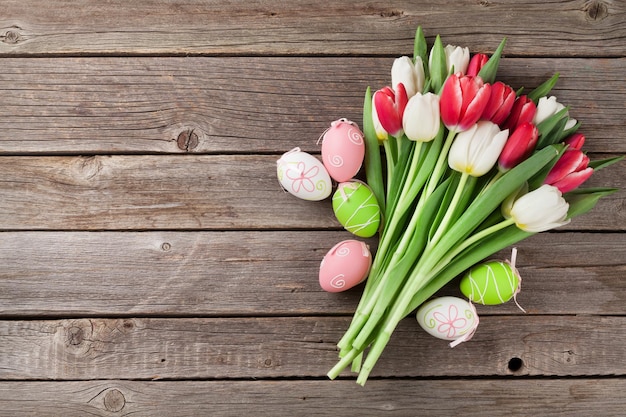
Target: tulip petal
(571, 161)
(475, 107)
(573, 180)
(451, 102)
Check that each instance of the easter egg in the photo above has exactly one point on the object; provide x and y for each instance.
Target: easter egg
(356, 208)
(491, 283)
(448, 318)
(345, 266)
(303, 175)
(343, 150)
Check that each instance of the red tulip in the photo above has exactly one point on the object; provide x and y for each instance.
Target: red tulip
(500, 103)
(523, 110)
(575, 141)
(463, 100)
(570, 171)
(519, 146)
(476, 64)
(390, 106)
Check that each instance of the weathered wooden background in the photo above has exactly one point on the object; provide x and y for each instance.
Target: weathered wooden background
(151, 265)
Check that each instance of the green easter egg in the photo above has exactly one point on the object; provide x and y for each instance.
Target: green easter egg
(490, 283)
(356, 208)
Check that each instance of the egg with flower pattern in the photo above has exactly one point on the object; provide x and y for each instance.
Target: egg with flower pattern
(303, 175)
(491, 283)
(448, 318)
(356, 208)
(343, 149)
(345, 266)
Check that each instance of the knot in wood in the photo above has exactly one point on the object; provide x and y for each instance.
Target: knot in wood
(596, 10)
(114, 401)
(75, 336)
(11, 36)
(187, 140)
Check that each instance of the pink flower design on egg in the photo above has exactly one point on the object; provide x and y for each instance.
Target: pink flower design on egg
(302, 179)
(451, 323)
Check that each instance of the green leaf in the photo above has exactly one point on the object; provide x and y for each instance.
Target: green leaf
(420, 49)
(583, 200)
(489, 70)
(550, 129)
(373, 164)
(491, 199)
(543, 89)
(603, 163)
(438, 66)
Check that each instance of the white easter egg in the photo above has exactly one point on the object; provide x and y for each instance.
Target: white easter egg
(303, 175)
(448, 318)
(345, 266)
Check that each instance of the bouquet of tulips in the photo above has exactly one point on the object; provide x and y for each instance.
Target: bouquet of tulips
(470, 166)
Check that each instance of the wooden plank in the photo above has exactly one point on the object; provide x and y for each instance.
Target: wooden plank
(224, 348)
(307, 27)
(235, 105)
(264, 273)
(436, 397)
(189, 192)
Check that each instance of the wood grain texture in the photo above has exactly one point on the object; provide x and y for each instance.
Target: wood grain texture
(295, 347)
(191, 192)
(554, 27)
(264, 273)
(245, 105)
(400, 397)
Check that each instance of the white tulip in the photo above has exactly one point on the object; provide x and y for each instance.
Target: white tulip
(411, 75)
(457, 58)
(421, 120)
(476, 150)
(540, 210)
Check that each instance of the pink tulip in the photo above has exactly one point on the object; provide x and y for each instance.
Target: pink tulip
(500, 103)
(523, 110)
(519, 146)
(463, 100)
(390, 106)
(476, 64)
(570, 171)
(575, 141)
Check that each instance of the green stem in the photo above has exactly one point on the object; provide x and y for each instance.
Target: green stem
(443, 226)
(433, 181)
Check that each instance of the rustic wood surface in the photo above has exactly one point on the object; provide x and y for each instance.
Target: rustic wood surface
(150, 263)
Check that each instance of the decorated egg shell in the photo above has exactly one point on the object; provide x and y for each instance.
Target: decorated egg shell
(343, 150)
(448, 318)
(303, 175)
(345, 266)
(356, 208)
(491, 283)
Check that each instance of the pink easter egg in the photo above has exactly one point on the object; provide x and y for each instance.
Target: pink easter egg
(343, 150)
(345, 266)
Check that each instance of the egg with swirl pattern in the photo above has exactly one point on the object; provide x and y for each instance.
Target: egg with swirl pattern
(346, 265)
(303, 175)
(343, 149)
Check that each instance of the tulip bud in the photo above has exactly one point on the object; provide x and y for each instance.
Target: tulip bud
(540, 210)
(548, 106)
(575, 141)
(476, 150)
(463, 100)
(500, 103)
(390, 106)
(421, 120)
(381, 133)
(519, 146)
(411, 75)
(457, 59)
(476, 64)
(570, 171)
(523, 111)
